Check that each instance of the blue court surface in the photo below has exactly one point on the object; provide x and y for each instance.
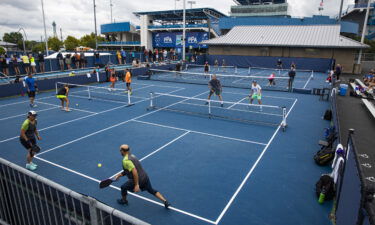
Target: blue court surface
(212, 170)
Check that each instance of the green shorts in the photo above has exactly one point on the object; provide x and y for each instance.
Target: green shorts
(61, 96)
(256, 96)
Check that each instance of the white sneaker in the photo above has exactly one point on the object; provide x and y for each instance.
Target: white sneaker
(68, 110)
(30, 167)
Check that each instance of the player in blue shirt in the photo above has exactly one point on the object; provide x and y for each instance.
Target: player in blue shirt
(31, 88)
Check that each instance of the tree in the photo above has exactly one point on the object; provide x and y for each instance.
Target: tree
(54, 43)
(2, 51)
(13, 37)
(71, 43)
(40, 47)
(89, 40)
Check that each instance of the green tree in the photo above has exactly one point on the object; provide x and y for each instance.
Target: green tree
(40, 47)
(12, 37)
(54, 43)
(89, 40)
(2, 50)
(71, 43)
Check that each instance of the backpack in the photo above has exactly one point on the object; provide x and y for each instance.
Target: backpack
(328, 115)
(324, 156)
(326, 185)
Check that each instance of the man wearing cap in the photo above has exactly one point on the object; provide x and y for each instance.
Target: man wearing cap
(256, 93)
(28, 140)
(137, 177)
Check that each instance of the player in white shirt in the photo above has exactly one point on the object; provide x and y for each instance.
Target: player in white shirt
(256, 93)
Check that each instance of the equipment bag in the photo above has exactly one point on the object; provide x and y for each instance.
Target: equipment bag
(327, 115)
(324, 156)
(325, 185)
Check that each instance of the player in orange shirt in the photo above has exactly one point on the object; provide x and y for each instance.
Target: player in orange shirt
(112, 79)
(128, 80)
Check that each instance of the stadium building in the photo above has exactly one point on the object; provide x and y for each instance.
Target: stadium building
(260, 8)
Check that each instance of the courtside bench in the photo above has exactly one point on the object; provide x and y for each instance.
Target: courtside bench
(370, 106)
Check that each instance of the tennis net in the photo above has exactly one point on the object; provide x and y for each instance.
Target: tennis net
(226, 80)
(279, 72)
(107, 94)
(213, 68)
(234, 111)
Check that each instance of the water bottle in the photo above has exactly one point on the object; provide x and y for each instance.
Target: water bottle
(322, 196)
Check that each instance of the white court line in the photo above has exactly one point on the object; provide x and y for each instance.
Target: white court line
(133, 194)
(24, 114)
(237, 93)
(307, 82)
(236, 103)
(75, 109)
(80, 118)
(15, 103)
(198, 132)
(252, 169)
(113, 126)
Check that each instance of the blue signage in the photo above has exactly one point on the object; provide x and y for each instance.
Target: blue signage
(174, 40)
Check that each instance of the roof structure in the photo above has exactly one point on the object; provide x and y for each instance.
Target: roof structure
(3, 43)
(322, 36)
(258, 2)
(175, 15)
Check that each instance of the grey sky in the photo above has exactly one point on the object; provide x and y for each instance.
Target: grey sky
(75, 17)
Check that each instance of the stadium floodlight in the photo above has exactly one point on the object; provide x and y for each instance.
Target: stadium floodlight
(45, 30)
(191, 3)
(23, 39)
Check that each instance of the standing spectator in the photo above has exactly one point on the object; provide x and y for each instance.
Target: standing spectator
(60, 58)
(83, 60)
(165, 55)
(133, 55)
(73, 60)
(15, 65)
(77, 59)
(68, 60)
(338, 71)
(279, 64)
(150, 56)
(118, 54)
(123, 56)
(31, 88)
(32, 63)
(4, 65)
(145, 55)
(292, 74)
(156, 55)
(41, 62)
(26, 63)
(97, 58)
(27, 138)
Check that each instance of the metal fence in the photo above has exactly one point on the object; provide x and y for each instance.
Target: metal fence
(355, 196)
(29, 199)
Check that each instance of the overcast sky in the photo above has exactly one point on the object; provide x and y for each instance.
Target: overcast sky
(75, 17)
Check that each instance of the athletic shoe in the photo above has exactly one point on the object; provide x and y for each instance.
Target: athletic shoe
(34, 105)
(33, 164)
(122, 202)
(167, 204)
(30, 167)
(206, 103)
(222, 105)
(68, 110)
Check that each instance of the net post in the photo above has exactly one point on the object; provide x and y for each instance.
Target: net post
(129, 101)
(209, 107)
(151, 100)
(235, 70)
(56, 86)
(312, 74)
(283, 123)
(187, 67)
(249, 71)
(279, 72)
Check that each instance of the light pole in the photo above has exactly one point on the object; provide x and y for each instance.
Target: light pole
(184, 30)
(45, 31)
(111, 5)
(175, 4)
(23, 39)
(191, 3)
(96, 32)
(364, 31)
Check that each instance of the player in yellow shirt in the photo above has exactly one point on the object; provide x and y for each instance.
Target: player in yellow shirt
(128, 80)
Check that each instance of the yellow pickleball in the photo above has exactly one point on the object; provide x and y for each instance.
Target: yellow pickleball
(99, 165)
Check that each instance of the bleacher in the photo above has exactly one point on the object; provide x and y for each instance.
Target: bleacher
(367, 95)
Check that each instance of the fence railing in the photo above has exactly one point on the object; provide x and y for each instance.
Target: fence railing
(27, 198)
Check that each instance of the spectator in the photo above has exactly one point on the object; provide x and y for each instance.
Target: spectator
(150, 56)
(15, 65)
(83, 60)
(118, 54)
(77, 59)
(165, 55)
(4, 65)
(68, 61)
(133, 55)
(41, 62)
(123, 56)
(145, 55)
(156, 55)
(26, 63)
(338, 71)
(97, 58)
(73, 60)
(292, 74)
(60, 58)
(32, 63)
(135, 63)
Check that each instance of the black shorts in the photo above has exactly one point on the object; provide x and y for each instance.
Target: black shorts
(26, 144)
(216, 92)
(128, 84)
(26, 65)
(146, 186)
(31, 94)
